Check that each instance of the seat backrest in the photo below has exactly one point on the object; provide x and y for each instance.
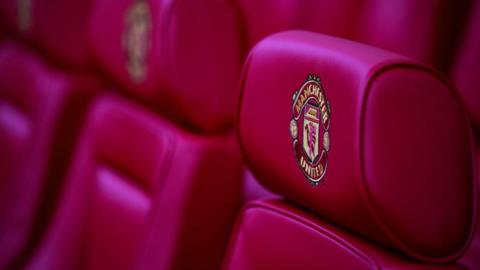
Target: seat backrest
(40, 110)
(423, 31)
(178, 57)
(143, 194)
(362, 137)
(57, 27)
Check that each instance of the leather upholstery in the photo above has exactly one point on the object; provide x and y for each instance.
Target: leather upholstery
(465, 77)
(191, 62)
(275, 235)
(55, 26)
(392, 174)
(40, 114)
(424, 30)
(143, 194)
(464, 70)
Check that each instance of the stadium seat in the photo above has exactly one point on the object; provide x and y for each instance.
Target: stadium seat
(355, 136)
(177, 57)
(132, 157)
(143, 194)
(56, 27)
(120, 36)
(40, 111)
(426, 31)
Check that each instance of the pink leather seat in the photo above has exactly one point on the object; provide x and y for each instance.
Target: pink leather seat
(56, 27)
(378, 164)
(142, 193)
(169, 193)
(178, 57)
(40, 111)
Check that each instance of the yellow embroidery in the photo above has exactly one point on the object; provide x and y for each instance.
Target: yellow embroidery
(136, 41)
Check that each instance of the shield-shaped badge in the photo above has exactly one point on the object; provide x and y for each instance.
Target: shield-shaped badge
(309, 129)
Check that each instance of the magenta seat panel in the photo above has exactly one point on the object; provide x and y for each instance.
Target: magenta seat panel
(417, 30)
(399, 165)
(40, 111)
(412, 28)
(282, 15)
(252, 189)
(116, 201)
(61, 29)
(468, 61)
(143, 194)
(15, 130)
(426, 31)
(56, 26)
(275, 235)
(181, 57)
(16, 16)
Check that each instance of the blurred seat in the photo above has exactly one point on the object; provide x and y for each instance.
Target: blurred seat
(150, 192)
(57, 28)
(142, 194)
(463, 72)
(465, 76)
(40, 111)
(179, 58)
(380, 167)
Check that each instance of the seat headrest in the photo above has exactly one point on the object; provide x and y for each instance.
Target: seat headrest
(180, 57)
(57, 27)
(367, 138)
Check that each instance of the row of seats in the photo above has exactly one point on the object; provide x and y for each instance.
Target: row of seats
(125, 126)
(112, 178)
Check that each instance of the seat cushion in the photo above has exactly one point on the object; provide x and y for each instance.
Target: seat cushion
(364, 137)
(275, 235)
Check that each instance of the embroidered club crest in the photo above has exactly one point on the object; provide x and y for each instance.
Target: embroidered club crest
(309, 129)
(136, 39)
